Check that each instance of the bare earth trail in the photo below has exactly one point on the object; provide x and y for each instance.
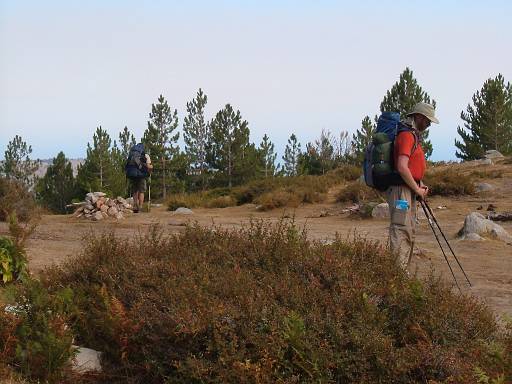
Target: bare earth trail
(487, 263)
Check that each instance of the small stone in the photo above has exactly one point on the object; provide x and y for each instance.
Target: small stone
(104, 208)
(493, 154)
(86, 360)
(112, 211)
(119, 216)
(130, 201)
(381, 211)
(121, 200)
(484, 187)
(97, 216)
(88, 215)
(90, 207)
(491, 208)
(479, 208)
(183, 211)
(259, 208)
(110, 202)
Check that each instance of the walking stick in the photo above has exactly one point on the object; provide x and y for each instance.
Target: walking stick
(438, 241)
(445, 239)
(149, 194)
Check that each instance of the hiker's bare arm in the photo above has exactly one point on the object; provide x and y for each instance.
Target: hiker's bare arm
(405, 172)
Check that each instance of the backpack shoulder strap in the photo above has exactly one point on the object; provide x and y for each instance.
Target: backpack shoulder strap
(405, 128)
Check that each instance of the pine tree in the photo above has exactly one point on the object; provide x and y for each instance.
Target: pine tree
(488, 122)
(229, 151)
(267, 156)
(160, 143)
(97, 171)
(126, 142)
(403, 96)
(57, 187)
(362, 138)
(196, 134)
(291, 156)
(17, 164)
(325, 150)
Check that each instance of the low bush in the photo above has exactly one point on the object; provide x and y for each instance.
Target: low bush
(16, 199)
(221, 202)
(38, 336)
(487, 173)
(449, 182)
(264, 304)
(356, 192)
(277, 199)
(272, 192)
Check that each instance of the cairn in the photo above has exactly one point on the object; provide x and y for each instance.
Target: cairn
(97, 206)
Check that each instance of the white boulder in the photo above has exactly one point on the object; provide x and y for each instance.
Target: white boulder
(477, 223)
(86, 360)
(183, 211)
(381, 211)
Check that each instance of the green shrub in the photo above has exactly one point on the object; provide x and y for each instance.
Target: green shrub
(448, 182)
(265, 304)
(38, 339)
(356, 192)
(13, 261)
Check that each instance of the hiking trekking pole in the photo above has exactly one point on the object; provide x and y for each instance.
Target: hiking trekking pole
(438, 241)
(447, 243)
(149, 194)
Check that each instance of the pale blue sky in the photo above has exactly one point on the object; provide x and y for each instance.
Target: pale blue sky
(289, 66)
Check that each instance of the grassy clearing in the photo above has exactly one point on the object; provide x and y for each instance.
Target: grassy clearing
(264, 304)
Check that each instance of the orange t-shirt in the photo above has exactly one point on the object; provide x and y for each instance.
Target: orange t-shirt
(404, 144)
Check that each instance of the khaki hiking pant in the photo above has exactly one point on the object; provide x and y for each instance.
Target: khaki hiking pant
(403, 224)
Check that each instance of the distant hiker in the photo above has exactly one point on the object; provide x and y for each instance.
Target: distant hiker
(138, 168)
(395, 163)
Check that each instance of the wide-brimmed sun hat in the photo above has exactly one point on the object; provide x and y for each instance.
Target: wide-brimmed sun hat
(426, 110)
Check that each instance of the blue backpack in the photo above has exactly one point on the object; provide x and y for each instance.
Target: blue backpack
(135, 167)
(378, 166)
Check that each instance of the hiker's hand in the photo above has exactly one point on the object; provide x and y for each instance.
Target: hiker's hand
(422, 192)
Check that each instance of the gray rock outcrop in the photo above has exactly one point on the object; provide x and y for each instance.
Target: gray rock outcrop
(475, 223)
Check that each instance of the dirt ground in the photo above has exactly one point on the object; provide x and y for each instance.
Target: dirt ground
(487, 263)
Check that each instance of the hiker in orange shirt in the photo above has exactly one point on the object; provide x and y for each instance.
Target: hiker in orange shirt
(410, 162)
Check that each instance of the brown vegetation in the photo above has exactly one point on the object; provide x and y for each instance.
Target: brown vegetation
(264, 304)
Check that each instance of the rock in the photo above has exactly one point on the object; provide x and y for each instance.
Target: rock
(99, 194)
(491, 208)
(130, 201)
(110, 202)
(473, 237)
(381, 211)
(121, 200)
(259, 208)
(480, 207)
(104, 208)
(112, 211)
(105, 215)
(502, 216)
(477, 223)
(91, 197)
(493, 154)
(324, 213)
(86, 360)
(100, 202)
(484, 187)
(119, 216)
(156, 205)
(183, 211)
(97, 216)
(90, 207)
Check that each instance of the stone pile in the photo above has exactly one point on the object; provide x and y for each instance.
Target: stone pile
(97, 206)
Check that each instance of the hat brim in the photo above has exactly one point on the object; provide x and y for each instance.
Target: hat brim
(432, 119)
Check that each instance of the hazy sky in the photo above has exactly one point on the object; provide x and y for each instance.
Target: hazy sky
(67, 67)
